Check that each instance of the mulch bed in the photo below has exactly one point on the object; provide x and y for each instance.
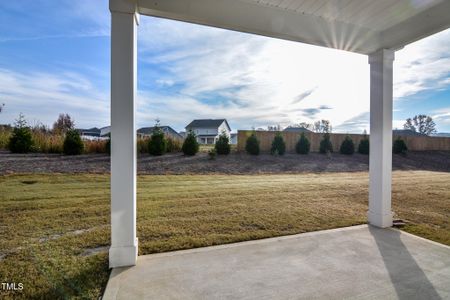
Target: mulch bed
(235, 163)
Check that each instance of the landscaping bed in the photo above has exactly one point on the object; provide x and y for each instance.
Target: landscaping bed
(235, 163)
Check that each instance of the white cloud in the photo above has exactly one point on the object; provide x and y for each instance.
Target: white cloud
(42, 96)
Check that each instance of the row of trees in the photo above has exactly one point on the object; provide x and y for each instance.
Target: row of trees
(303, 145)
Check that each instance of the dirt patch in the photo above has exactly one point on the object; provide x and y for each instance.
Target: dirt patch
(235, 163)
(93, 251)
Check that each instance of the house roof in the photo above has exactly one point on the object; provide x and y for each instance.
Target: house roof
(94, 131)
(165, 129)
(296, 129)
(208, 123)
(406, 132)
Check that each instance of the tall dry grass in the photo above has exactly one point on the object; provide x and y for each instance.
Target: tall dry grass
(5, 134)
(47, 142)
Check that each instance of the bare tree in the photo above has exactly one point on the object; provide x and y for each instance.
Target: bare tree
(422, 124)
(274, 127)
(63, 124)
(322, 126)
(302, 125)
(2, 107)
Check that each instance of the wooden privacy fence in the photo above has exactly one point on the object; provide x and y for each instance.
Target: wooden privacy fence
(414, 143)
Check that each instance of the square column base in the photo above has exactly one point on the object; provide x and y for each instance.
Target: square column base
(380, 220)
(124, 256)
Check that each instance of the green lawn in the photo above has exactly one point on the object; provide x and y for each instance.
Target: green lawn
(51, 225)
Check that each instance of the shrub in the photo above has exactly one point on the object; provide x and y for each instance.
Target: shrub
(212, 154)
(21, 140)
(157, 144)
(252, 145)
(364, 146)
(222, 146)
(73, 145)
(325, 144)
(347, 146)
(190, 145)
(278, 145)
(173, 145)
(303, 145)
(399, 146)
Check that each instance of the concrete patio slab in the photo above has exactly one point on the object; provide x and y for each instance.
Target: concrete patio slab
(360, 262)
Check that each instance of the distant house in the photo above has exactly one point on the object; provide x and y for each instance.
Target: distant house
(89, 134)
(233, 138)
(95, 133)
(296, 129)
(168, 131)
(208, 130)
(406, 132)
(105, 131)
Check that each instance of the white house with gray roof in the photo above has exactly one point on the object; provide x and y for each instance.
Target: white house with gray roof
(208, 130)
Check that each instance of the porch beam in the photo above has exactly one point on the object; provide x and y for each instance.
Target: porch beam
(380, 162)
(124, 244)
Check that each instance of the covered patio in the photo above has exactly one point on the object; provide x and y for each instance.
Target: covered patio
(359, 262)
(373, 28)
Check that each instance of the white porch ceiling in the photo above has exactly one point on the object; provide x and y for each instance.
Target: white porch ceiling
(362, 26)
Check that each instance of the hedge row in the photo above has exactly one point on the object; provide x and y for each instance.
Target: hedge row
(303, 145)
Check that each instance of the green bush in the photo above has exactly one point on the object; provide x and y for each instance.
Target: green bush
(157, 145)
(21, 140)
(73, 145)
(190, 145)
(278, 145)
(212, 154)
(325, 144)
(347, 146)
(252, 145)
(399, 146)
(364, 146)
(303, 145)
(223, 146)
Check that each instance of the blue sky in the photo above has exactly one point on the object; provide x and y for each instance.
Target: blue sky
(55, 58)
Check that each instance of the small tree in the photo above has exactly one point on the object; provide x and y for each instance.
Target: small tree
(364, 145)
(190, 145)
(63, 124)
(252, 145)
(278, 145)
(73, 145)
(157, 144)
(21, 140)
(325, 144)
(347, 146)
(303, 145)
(422, 124)
(399, 146)
(222, 146)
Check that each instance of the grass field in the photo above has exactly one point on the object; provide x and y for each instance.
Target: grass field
(54, 229)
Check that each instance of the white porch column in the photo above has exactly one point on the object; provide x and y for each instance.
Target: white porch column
(380, 169)
(124, 244)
